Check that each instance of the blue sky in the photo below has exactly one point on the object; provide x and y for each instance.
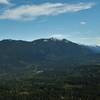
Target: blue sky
(76, 20)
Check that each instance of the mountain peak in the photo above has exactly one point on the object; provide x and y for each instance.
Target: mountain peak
(52, 40)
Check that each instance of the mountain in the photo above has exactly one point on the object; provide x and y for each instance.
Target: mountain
(49, 69)
(48, 54)
(95, 49)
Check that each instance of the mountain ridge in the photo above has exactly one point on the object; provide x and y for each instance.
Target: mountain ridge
(17, 55)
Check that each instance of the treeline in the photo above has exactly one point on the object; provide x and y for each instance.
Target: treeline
(70, 92)
(81, 83)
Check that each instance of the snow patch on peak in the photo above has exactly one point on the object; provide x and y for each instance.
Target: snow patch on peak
(45, 40)
(66, 41)
(55, 39)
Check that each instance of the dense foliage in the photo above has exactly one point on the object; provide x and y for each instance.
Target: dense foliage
(78, 83)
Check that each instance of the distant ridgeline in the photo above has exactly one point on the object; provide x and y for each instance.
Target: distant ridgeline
(16, 55)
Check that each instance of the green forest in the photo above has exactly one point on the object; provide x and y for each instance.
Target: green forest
(78, 83)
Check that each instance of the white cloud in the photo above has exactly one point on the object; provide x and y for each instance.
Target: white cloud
(83, 23)
(58, 36)
(30, 12)
(4, 2)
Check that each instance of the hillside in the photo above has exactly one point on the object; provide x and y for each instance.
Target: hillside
(48, 69)
(17, 55)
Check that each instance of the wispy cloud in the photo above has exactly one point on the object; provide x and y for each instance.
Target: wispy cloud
(58, 36)
(83, 22)
(4, 2)
(30, 12)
